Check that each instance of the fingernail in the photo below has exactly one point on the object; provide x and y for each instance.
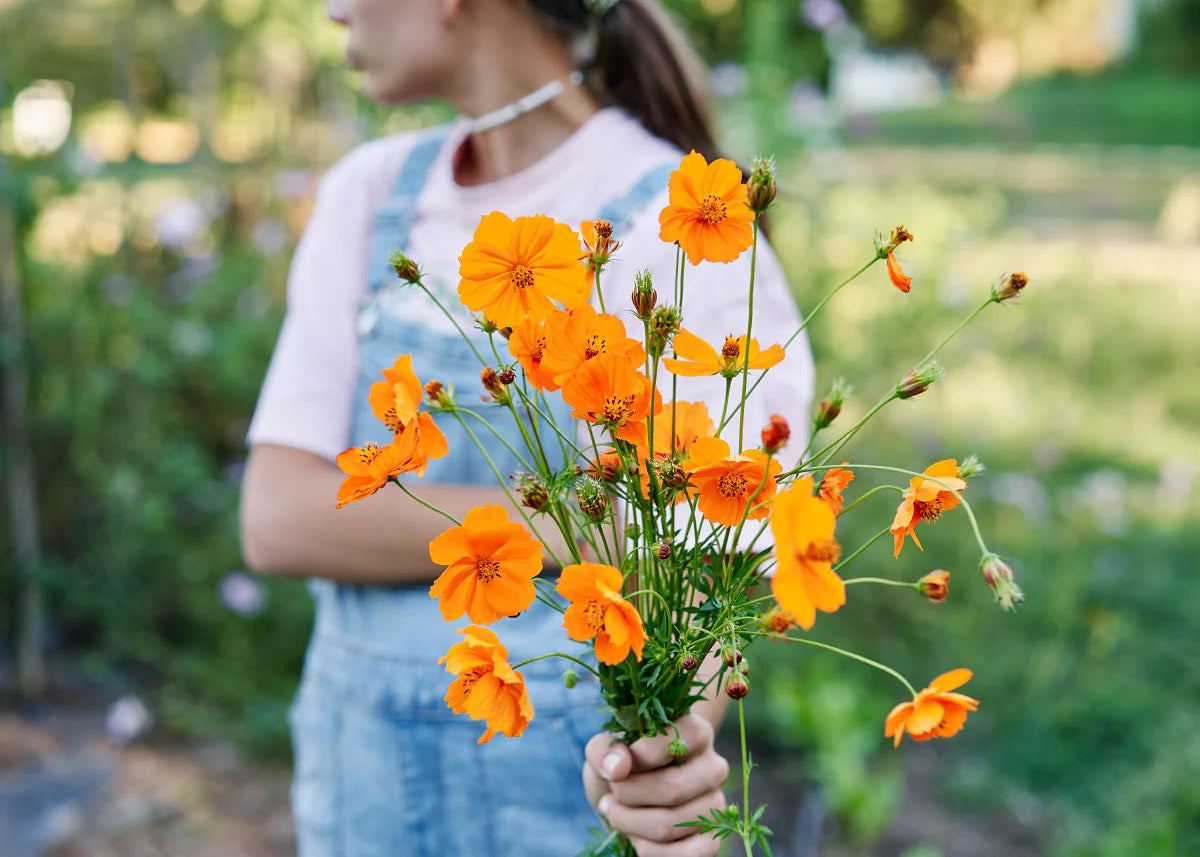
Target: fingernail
(604, 804)
(609, 763)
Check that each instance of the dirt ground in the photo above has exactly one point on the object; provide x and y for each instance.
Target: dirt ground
(67, 790)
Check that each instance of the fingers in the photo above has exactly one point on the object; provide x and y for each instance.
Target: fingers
(594, 786)
(651, 753)
(608, 758)
(694, 846)
(658, 824)
(674, 785)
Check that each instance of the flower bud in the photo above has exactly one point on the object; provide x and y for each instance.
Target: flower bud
(663, 551)
(491, 382)
(433, 389)
(405, 268)
(644, 296)
(664, 321)
(832, 404)
(593, 502)
(1009, 287)
(506, 332)
(737, 687)
(669, 473)
(744, 667)
(970, 467)
(918, 380)
(999, 578)
(775, 435)
(688, 663)
(677, 748)
(731, 351)
(607, 467)
(570, 678)
(778, 621)
(506, 376)
(533, 493)
(761, 187)
(936, 585)
(730, 656)
(632, 531)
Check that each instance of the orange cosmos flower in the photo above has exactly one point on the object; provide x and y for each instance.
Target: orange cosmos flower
(805, 549)
(726, 483)
(487, 688)
(528, 344)
(925, 500)
(833, 484)
(368, 468)
(700, 358)
(396, 398)
(707, 214)
(935, 712)
(609, 390)
(607, 467)
(899, 279)
(598, 610)
(515, 269)
(598, 245)
(491, 562)
(582, 334)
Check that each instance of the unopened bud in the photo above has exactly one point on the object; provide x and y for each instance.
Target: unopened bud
(570, 678)
(731, 351)
(506, 376)
(918, 380)
(506, 332)
(737, 687)
(832, 404)
(677, 748)
(405, 268)
(486, 324)
(688, 663)
(663, 551)
(632, 531)
(936, 585)
(775, 435)
(669, 473)
(731, 656)
(1009, 287)
(607, 467)
(999, 578)
(664, 321)
(439, 395)
(644, 296)
(533, 493)
(491, 382)
(761, 187)
(778, 621)
(593, 502)
(970, 468)
(744, 667)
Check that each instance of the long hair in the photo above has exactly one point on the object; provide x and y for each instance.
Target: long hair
(642, 62)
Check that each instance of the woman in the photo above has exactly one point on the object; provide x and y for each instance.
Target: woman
(382, 767)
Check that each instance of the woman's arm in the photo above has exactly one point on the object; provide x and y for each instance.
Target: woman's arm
(290, 526)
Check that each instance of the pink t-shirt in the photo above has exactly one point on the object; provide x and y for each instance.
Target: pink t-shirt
(306, 399)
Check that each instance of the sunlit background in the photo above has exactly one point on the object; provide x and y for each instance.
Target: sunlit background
(157, 164)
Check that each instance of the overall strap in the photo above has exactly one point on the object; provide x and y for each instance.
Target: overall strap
(620, 211)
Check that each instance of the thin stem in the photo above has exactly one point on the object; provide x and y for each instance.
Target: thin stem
(428, 506)
(556, 655)
(875, 490)
(454, 322)
(749, 328)
(933, 352)
(903, 584)
(859, 658)
(520, 458)
(862, 548)
(745, 775)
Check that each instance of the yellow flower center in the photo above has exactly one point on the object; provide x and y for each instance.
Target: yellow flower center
(824, 550)
(593, 345)
(928, 511)
(392, 420)
(712, 209)
(522, 277)
(470, 676)
(616, 409)
(369, 452)
(732, 485)
(730, 351)
(486, 569)
(593, 613)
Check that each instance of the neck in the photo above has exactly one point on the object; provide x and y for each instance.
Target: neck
(509, 148)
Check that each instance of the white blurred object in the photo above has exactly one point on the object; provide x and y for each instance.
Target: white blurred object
(861, 82)
(728, 80)
(823, 15)
(1026, 493)
(127, 718)
(178, 221)
(243, 594)
(41, 117)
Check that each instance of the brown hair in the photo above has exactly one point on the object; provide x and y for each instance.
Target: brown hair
(643, 63)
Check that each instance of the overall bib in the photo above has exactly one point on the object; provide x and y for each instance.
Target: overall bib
(382, 766)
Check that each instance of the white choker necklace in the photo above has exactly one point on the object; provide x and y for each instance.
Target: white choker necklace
(523, 105)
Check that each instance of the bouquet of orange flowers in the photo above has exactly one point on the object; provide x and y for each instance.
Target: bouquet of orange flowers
(658, 513)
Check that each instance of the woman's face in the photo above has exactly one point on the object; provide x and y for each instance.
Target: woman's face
(402, 47)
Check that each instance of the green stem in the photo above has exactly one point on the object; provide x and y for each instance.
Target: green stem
(868, 494)
(745, 775)
(556, 655)
(859, 658)
(749, 328)
(879, 535)
(428, 506)
(454, 322)
(903, 584)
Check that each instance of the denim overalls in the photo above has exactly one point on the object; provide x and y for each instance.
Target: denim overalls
(383, 768)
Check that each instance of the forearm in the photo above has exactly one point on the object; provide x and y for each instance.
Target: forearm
(291, 527)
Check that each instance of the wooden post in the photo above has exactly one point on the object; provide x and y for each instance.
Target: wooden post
(19, 478)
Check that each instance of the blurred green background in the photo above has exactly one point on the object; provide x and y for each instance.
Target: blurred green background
(157, 163)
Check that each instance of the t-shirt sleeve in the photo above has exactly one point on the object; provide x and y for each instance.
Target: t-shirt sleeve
(307, 395)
